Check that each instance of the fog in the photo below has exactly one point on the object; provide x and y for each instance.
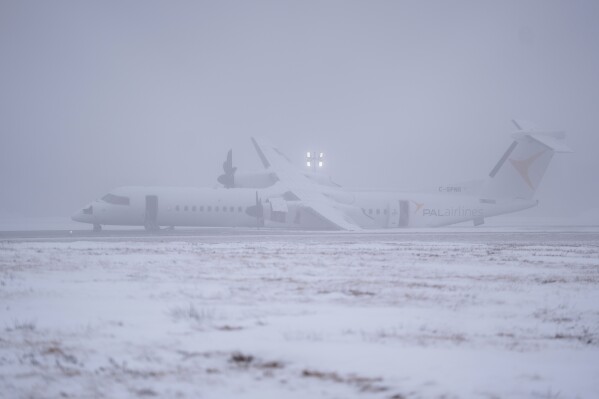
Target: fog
(398, 94)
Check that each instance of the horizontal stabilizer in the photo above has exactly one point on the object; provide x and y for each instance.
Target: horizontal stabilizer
(553, 140)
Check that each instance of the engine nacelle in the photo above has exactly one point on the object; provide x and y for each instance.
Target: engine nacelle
(232, 179)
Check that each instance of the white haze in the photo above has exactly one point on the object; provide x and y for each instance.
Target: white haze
(95, 95)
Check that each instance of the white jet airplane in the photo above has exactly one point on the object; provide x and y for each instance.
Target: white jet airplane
(283, 196)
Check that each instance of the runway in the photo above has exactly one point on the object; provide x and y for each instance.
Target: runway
(518, 234)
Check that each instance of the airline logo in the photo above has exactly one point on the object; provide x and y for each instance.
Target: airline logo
(418, 206)
(457, 211)
(523, 166)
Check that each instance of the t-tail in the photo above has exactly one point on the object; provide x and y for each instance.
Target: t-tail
(520, 170)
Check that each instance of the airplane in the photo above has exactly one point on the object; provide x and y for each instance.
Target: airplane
(286, 197)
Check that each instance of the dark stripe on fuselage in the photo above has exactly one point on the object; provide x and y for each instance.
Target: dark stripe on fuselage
(503, 159)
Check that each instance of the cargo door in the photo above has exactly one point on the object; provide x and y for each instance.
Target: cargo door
(404, 213)
(393, 220)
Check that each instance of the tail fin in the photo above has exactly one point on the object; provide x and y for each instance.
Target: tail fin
(520, 170)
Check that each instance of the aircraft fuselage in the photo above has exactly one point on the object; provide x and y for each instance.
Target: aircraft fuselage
(219, 207)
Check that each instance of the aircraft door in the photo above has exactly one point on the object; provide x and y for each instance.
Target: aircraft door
(278, 210)
(404, 213)
(393, 220)
(151, 217)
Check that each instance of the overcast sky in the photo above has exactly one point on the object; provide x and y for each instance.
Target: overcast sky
(399, 94)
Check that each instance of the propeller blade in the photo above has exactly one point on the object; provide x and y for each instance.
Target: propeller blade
(228, 178)
(259, 211)
(228, 164)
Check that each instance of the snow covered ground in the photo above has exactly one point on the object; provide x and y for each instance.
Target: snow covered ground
(314, 317)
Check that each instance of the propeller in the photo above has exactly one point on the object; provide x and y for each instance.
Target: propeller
(257, 211)
(228, 178)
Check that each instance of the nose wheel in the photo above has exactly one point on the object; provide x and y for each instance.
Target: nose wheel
(97, 227)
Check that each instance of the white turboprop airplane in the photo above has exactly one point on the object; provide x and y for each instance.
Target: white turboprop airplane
(283, 196)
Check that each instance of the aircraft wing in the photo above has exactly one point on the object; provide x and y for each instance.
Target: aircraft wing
(335, 217)
(311, 194)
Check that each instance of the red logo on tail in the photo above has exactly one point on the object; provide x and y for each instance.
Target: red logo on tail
(522, 167)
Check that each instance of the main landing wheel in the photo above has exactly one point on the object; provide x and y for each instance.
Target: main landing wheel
(152, 227)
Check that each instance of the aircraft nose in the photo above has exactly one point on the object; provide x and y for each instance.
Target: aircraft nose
(77, 216)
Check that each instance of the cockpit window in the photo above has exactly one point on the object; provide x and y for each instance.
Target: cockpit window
(116, 199)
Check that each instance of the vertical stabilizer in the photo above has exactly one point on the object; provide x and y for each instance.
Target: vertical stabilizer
(521, 168)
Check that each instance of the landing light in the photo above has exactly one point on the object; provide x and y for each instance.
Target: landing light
(314, 159)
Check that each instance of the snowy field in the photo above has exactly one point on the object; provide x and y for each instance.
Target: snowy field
(460, 315)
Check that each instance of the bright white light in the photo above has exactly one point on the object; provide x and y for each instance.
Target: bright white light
(308, 155)
(320, 164)
(309, 163)
(322, 154)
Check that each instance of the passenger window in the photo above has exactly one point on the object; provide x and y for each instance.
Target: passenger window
(177, 208)
(193, 208)
(240, 209)
(232, 209)
(378, 211)
(370, 211)
(185, 208)
(201, 208)
(385, 212)
(209, 209)
(216, 209)
(224, 209)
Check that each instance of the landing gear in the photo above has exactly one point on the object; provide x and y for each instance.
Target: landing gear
(97, 227)
(150, 226)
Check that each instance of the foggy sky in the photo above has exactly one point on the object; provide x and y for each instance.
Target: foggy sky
(95, 95)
